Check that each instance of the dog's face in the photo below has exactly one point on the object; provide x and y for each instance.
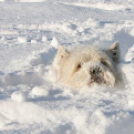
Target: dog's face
(87, 65)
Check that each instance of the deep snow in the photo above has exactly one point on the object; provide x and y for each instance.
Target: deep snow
(30, 99)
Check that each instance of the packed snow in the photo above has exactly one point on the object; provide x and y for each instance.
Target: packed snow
(30, 99)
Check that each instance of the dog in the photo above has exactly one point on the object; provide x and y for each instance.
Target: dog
(87, 65)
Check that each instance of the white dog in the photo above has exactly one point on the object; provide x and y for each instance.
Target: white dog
(87, 65)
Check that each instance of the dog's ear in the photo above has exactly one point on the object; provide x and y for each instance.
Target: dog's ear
(62, 52)
(114, 51)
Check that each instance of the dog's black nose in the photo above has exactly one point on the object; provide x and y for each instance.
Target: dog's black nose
(96, 71)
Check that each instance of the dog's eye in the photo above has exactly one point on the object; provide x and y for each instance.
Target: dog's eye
(104, 62)
(79, 65)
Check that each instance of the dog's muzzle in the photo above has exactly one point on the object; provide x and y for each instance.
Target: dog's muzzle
(96, 75)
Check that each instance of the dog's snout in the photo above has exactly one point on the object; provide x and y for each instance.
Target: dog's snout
(96, 74)
(96, 71)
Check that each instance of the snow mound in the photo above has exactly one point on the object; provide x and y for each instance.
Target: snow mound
(55, 42)
(22, 39)
(39, 91)
(18, 96)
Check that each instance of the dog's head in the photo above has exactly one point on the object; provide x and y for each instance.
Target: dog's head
(87, 65)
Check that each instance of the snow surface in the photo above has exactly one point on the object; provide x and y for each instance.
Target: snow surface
(31, 102)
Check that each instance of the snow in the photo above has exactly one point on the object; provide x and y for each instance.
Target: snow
(104, 6)
(54, 42)
(18, 96)
(29, 0)
(31, 101)
(22, 39)
(39, 91)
